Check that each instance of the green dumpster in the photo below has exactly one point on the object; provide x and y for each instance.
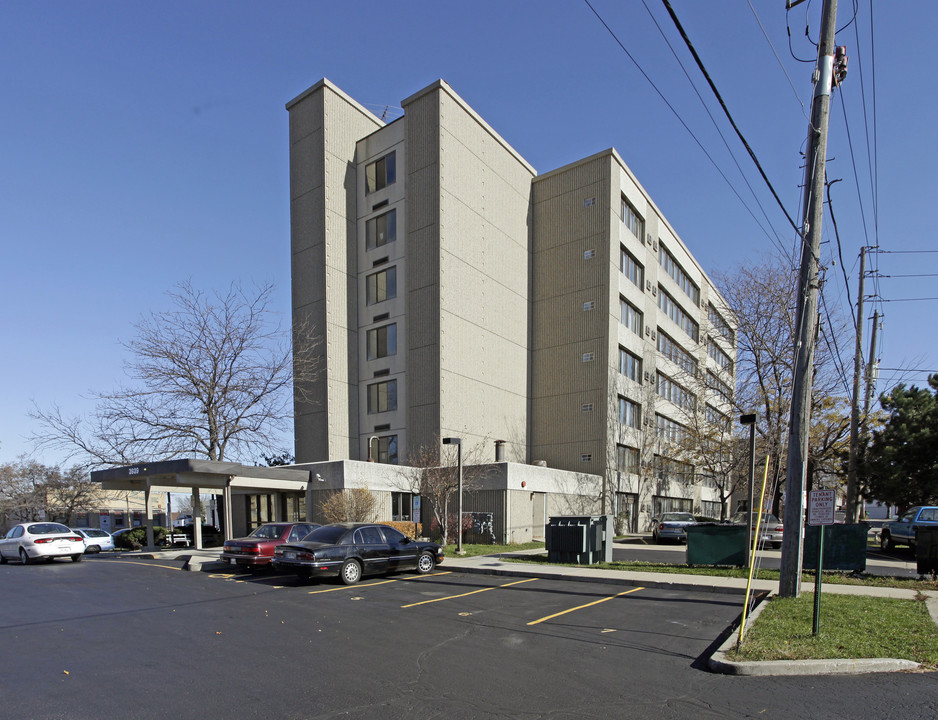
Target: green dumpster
(926, 550)
(712, 544)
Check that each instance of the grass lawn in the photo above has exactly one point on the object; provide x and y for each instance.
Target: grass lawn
(849, 627)
(476, 550)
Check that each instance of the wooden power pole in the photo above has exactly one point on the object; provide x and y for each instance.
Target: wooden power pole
(853, 505)
(799, 426)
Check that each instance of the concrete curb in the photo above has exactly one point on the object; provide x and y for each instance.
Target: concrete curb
(719, 663)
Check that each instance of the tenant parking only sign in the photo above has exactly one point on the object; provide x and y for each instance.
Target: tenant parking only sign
(821, 507)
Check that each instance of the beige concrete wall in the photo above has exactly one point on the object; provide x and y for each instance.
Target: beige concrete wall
(325, 125)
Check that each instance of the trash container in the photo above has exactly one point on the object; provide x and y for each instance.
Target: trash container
(926, 550)
(713, 544)
(579, 539)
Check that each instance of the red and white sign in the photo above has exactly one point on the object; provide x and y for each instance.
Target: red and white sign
(821, 507)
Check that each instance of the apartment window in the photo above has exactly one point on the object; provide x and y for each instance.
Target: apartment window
(627, 459)
(630, 365)
(401, 506)
(719, 357)
(676, 354)
(387, 450)
(720, 387)
(381, 230)
(631, 316)
(382, 341)
(669, 307)
(673, 268)
(668, 429)
(381, 173)
(632, 220)
(630, 413)
(631, 267)
(715, 417)
(382, 397)
(661, 504)
(676, 393)
(381, 286)
(589, 254)
(665, 468)
(720, 324)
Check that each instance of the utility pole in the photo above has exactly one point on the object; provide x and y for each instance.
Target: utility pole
(799, 426)
(870, 382)
(852, 515)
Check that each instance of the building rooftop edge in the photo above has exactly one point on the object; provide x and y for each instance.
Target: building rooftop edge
(325, 83)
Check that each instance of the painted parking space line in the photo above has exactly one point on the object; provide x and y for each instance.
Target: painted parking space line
(454, 597)
(381, 582)
(580, 607)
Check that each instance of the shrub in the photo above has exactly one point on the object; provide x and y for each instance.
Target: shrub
(137, 538)
(405, 527)
(349, 505)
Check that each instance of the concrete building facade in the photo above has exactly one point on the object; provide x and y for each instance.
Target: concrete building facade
(457, 292)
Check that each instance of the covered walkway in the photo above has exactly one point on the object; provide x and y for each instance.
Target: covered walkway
(203, 476)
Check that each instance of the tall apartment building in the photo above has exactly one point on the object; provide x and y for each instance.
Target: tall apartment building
(457, 292)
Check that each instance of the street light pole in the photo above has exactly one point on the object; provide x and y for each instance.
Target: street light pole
(458, 443)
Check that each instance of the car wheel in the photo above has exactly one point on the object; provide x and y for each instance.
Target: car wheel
(885, 542)
(351, 572)
(24, 558)
(76, 558)
(93, 549)
(425, 563)
(3, 560)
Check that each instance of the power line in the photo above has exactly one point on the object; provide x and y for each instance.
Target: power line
(713, 87)
(908, 299)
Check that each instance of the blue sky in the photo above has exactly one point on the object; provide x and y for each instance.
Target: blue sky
(142, 144)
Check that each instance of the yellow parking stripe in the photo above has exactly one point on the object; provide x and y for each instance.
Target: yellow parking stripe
(350, 587)
(421, 577)
(453, 597)
(132, 562)
(595, 602)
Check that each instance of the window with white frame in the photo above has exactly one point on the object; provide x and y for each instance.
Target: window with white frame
(627, 459)
(719, 357)
(630, 365)
(630, 413)
(669, 307)
(381, 286)
(381, 173)
(631, 316)
(401, 506)
(381, 230)
(676, 393)
(720, 324)
(631, 267)
(382, 341)
(676, 354)
(668, 429)
(673, 268)
(720, 387)
(632, 220)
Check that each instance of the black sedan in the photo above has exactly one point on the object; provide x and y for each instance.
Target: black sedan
(351, 550)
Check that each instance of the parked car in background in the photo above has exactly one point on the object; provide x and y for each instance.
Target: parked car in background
(257, 549)
(672, 526)
(96, 540)
(41, 541)
(904, 529)
(771, 529)
(351, 550)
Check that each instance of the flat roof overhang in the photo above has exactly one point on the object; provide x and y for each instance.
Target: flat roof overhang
(207, 475)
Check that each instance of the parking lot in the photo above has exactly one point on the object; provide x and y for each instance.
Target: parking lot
(138, 638)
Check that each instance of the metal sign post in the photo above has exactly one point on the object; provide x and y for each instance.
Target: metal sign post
(821, 513)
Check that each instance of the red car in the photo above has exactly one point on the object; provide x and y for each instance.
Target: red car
(257, 549)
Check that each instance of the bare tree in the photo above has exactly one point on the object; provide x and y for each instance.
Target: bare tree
(212, 377)
(350, 505)
(30, 490)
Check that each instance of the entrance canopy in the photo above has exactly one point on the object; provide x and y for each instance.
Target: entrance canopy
(201, 476)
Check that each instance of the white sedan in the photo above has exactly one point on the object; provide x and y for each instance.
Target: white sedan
(95, 540)
(34, 541)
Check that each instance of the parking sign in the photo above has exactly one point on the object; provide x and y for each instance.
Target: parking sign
(821, 507)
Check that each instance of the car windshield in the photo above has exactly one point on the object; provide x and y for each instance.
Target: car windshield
(677, 517)
(329, 534)
(46, 529)
(267, 532)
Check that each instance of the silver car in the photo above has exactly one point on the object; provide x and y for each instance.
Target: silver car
(672, 526)
(95, 540)
(34, 541)
(771, 529)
